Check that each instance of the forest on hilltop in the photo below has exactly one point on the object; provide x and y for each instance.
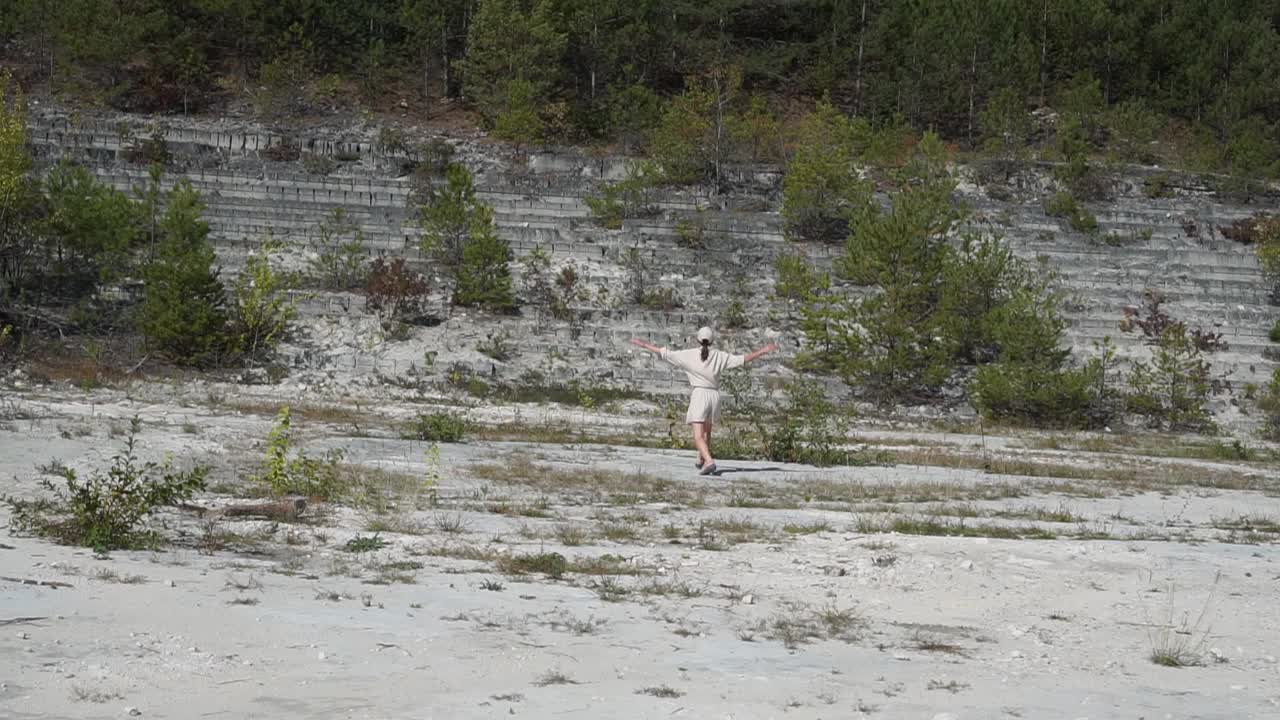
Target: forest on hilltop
(585, 70)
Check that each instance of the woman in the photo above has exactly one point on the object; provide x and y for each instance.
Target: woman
(702, 365)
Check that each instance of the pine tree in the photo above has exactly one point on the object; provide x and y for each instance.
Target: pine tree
(484, 278)
(821, 193)
(448, 216)
(511, 40)
(183, 314)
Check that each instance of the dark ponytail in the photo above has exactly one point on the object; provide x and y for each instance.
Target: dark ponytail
(706, 349)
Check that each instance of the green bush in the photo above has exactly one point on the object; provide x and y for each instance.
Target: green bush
(286, 472)
(262, 310)
(631, 197)
(1172, 390)
(105, 511)
(1063, 205)
(484, 277)
(183, 314)
(339, 263)
(1032, 395)
(437, 427)
(1269, 404)
(1157, 186)
(821, 195)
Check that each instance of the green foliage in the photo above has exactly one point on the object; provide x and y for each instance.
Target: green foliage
(797, 282)
(448, 215)
(891, 343)
(484, 277)
(518, 120)
(822, 195)
(1063, 205)
(809, 428)
(339, 263)
(552, 565)
(1172, 390)
(513, 60)
(90, 229)
(261, 308)
(364, 544)
(286, 471)
(634, 111)
(694, 138)
(1006, 130)
(1274, 335)
(437, 427)
(735, 315)
(1269, 404)
(933, 63)
(631, 197)
(1133, 126)
(1267, 248)
(183, 314)
(555, 293)
(640, 285)
(757, 132)
(15, 161)
(106, 510)
(1157, 186)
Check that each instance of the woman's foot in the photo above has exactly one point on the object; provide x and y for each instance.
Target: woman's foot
(698, 463)
(709, 468)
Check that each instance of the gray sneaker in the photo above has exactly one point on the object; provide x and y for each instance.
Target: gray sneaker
(708, 470)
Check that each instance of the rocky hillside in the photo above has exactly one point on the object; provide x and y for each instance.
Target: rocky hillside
(254, 189)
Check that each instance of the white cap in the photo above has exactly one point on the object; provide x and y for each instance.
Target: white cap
(705, 333)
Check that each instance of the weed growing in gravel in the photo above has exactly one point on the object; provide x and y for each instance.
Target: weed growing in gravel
(111, 576)
(437, 427)
(660, 691)
(364, 544)
(550, 564)
(570, 535)
(554, 677)
(1179, 641)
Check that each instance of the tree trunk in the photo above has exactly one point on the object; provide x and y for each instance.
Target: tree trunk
(973, 82)
(1044, 50)
(447, 75)
(862, 34)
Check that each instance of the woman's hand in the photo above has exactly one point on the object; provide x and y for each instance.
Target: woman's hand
(762, 351)
(645, 346)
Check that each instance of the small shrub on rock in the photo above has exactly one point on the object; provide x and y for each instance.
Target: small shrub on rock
(1063, 205)
(395, 292)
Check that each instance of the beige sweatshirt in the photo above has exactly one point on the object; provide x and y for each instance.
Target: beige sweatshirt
(703, 375)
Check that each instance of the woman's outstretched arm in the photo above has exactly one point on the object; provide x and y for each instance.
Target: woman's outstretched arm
(646, 346)
(756, 354)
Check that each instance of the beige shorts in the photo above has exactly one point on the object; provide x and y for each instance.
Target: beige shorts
(704, 406)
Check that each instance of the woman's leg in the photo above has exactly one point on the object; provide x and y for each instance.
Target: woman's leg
(706, 436)
(700, 441)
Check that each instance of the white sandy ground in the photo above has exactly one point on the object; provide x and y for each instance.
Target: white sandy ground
(1018, 628)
